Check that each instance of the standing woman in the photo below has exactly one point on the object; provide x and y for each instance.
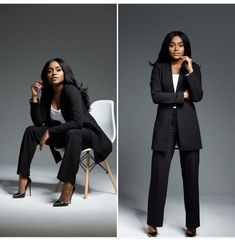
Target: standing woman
(175, 87)
(62, 120)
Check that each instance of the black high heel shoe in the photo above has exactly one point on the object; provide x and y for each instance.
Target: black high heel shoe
(22, 194)
(58, 203)
(152, 233)
(191, 232)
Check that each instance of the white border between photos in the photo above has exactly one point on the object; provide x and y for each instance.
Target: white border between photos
(117, 99)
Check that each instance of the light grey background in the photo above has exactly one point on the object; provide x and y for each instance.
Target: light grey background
(142, 29)
(83, 35)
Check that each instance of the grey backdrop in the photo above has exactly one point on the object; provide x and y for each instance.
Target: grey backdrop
(142, 29)
(83, 35)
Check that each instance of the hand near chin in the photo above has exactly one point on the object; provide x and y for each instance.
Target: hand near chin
(188, 63)
(36, 88)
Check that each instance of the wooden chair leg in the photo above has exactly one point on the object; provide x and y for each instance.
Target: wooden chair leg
(58, 186)
(87, 180)
(110, 175)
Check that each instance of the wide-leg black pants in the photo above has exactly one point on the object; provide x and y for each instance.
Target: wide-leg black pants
(74, 141)
(159, 180)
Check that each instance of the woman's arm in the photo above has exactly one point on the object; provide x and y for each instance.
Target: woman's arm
(73, 95)
(160, 97)
(194, 83)
(37, 110)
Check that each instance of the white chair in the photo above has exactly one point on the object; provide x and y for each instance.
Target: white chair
(103, 112)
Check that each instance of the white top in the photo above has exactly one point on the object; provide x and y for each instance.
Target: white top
(56, 115)
(175, 78)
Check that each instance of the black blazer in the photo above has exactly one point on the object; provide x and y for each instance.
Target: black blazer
(76, 116)
(162, 91)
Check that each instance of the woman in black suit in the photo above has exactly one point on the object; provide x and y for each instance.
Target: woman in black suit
(62, 120)
(175, 87)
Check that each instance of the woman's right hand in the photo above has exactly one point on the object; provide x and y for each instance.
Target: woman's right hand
(36, 88)
(186, 94)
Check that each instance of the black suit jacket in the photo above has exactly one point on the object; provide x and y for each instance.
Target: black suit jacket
(76, 116)
(163, 94)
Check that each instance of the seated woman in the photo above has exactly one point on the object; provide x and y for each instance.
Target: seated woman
(61, 120)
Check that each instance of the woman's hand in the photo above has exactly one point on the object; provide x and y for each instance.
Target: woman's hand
(44, 139)
(188, 63)
(36, 88)
(186, 94)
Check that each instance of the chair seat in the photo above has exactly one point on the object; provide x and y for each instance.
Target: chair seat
(61, 150)
(87, 150)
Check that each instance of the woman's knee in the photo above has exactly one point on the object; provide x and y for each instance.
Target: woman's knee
(73, 133)
(30, 129)
(35, 131)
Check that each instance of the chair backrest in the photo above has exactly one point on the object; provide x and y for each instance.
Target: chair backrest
(103, 113)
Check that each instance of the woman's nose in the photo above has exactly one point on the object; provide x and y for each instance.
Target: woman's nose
(54, 72)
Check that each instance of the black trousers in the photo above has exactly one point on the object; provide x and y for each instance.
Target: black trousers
(159, 179)
(73, 141)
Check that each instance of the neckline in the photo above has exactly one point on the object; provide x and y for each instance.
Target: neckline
(57, 110)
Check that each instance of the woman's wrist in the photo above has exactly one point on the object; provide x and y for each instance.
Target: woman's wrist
(186, 94)
(34, 98)
(190, 71)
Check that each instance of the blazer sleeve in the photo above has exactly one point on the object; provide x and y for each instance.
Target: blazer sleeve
(37, 113)
(194, 83)
(158, 95)
(75, 121)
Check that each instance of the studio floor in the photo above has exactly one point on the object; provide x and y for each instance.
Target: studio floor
(97, 215)
(217, 218)
(35, 217)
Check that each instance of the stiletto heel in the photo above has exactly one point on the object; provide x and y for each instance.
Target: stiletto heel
(58, 203)
(22, 194)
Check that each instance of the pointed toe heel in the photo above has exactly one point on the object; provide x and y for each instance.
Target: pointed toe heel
(19, 195)
(22, 194)
(59, 203)
(152, 232)
(191, 232)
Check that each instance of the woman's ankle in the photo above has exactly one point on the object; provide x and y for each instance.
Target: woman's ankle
(152, 228)
(23, 180)
(67, 192)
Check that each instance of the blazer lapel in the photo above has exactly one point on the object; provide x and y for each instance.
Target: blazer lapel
(170, 79)
(180, 85)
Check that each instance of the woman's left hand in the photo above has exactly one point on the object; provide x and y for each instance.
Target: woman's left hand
(188, 63)
(44, 139)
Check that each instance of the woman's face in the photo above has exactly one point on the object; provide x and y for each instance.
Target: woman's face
(176, 48)
(55, 74)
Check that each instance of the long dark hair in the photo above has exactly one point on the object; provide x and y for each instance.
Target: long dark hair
(68, 79)
(163, 56)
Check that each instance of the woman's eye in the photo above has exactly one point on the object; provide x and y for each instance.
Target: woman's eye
(58, 70)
